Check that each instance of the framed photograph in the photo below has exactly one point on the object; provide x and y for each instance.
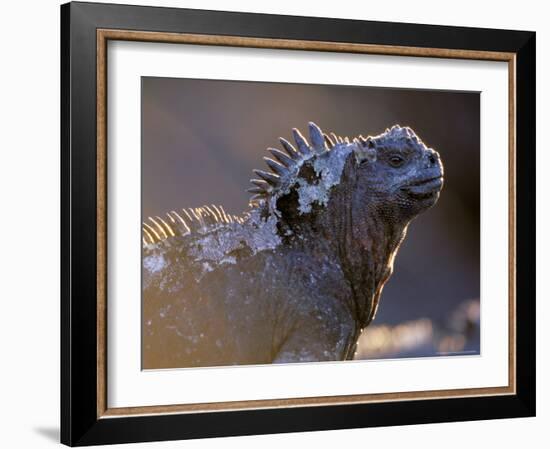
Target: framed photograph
(277, 224)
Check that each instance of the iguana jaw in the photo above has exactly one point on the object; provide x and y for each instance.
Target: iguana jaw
(424, 188)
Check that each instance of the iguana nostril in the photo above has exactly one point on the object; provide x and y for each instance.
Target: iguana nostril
(432, 159)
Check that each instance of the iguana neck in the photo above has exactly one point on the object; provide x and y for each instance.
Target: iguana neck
(365, 241)
(372, 256)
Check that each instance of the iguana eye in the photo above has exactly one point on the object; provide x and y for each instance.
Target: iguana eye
(396, 161)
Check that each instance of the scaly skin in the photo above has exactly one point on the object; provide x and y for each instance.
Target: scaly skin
(299, 276)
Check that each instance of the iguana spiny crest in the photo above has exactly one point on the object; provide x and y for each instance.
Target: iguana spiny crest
(325, 154)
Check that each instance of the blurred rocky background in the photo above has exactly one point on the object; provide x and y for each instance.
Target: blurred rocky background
(202, 138)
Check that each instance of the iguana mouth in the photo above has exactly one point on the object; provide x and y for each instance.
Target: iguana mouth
(424, 188)
(425, 181)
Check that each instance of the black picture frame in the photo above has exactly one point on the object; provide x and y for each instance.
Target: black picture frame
(80, 423)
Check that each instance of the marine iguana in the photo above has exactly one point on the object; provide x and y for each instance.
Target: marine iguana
(299, 275)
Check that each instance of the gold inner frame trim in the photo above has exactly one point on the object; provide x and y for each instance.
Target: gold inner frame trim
(104, 35)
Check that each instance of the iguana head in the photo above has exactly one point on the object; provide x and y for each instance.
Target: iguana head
(393, 175)
(398, 173)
